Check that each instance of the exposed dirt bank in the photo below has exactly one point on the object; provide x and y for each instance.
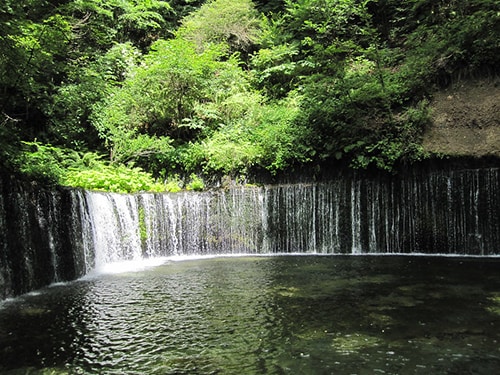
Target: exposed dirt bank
(466, 120)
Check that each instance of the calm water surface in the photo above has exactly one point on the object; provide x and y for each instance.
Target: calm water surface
(264, 315)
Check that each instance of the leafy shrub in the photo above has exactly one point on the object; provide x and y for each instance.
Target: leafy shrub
(227, 151)
(195, 183)
(230, 22)
(279, 139)
(67, 167)
(46, 163)
(118, 179)
(403, 143)
(173, 184)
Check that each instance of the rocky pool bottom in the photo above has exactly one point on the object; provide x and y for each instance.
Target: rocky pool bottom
(263, 315)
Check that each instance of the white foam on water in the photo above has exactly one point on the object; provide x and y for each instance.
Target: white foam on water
(126, 266)
(139, 265)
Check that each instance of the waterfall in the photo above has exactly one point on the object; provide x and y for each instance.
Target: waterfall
(126, 227)
(48, 236)
(38, 242)
(453, 213)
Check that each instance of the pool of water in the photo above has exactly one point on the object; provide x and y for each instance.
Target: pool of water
(264, 315)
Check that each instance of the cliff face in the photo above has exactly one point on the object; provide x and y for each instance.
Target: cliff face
(466, 120)
(39, 241)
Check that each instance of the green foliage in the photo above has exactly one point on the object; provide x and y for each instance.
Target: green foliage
(225, 152)
(101, 23)
(276, 72)
(402, 144)
(75, 99)
(226, 89)
(67, 167)
(173, 184)
(118, 179)
(54, 57)
(163, 92)
(179, 94)
(32, 59)
(276, 133)
(196, 183)
(265, 136)
(228, 22)
(9, 143)
(46, 162)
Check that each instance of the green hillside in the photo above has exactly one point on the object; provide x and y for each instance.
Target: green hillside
(131, 95)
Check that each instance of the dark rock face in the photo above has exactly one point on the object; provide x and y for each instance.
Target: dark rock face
(37, 246)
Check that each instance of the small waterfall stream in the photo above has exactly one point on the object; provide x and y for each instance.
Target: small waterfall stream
(48, 236)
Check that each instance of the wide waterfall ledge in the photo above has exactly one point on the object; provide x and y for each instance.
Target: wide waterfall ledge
(52, 236)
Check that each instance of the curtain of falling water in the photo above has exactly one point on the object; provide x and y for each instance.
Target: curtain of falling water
(48, 236)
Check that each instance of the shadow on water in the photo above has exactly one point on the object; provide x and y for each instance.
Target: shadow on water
(264, 315)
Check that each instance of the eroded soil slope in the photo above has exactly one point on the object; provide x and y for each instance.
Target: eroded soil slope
(466, 120)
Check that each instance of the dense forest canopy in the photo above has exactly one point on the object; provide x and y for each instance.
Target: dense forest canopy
(130, 95)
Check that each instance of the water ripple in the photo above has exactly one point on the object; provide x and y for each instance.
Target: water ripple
(283, 315)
